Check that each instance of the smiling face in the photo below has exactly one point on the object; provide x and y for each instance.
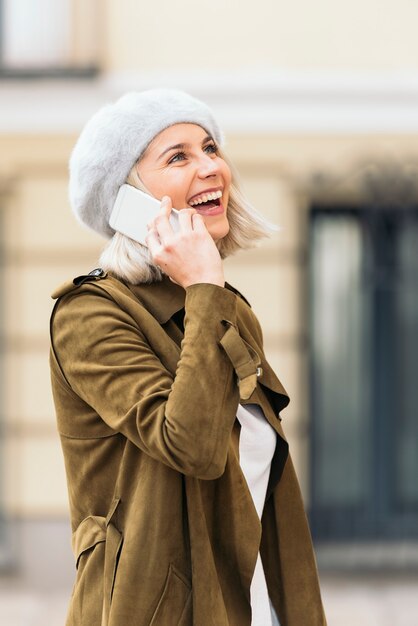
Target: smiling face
(183, 162)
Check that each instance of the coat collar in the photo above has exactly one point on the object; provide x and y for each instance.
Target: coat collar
(162, 299)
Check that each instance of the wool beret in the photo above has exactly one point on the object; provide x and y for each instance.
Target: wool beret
(114, 139)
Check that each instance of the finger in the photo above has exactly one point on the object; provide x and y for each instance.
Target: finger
(198, 223)
(166, 206)
(185, 219)
(165, 209)
(152, 241)
(161, 223)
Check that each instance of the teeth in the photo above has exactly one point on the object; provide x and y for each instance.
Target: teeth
(214, 195)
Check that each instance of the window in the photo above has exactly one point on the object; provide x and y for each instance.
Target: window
(49, 38)
(364, 340)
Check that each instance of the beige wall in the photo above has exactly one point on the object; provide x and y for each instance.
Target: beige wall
(234, 34)
(42, 246)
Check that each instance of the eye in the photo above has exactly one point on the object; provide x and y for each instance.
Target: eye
(179, 156)
(211, 148)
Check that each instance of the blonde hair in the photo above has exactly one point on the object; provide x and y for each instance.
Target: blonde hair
(132, 262)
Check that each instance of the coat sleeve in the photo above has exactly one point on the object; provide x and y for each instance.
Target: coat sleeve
(185, 420)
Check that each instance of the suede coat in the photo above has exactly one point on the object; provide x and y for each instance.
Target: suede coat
(146, 382)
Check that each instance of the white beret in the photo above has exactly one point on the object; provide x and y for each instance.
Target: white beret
(113, 140)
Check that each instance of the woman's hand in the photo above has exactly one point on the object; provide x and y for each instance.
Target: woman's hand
(189, 255)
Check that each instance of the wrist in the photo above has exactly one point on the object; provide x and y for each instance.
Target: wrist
(210, 279)
(203, 282)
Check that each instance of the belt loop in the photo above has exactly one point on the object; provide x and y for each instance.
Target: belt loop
(112, 510)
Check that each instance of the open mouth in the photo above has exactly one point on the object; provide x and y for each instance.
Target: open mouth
(207, 200)
(207, 205)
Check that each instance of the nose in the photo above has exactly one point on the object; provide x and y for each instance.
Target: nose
(207, 166)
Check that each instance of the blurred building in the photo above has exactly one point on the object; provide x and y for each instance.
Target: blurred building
(319, 103)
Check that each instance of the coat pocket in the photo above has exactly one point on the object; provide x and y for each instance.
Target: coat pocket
(175, 604)
(96, 545)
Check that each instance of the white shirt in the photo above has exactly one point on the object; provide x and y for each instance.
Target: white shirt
(257, 444)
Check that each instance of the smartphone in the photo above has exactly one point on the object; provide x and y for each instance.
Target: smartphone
(133, 210)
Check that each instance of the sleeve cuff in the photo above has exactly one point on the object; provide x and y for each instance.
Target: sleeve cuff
(211, 302)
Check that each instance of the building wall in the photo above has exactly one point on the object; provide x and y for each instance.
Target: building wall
(233, 35)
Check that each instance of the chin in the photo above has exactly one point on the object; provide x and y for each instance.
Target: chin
(218, 231)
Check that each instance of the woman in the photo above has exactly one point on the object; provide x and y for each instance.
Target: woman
(184, 504)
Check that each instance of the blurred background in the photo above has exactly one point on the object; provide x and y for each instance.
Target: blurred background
(319, 104)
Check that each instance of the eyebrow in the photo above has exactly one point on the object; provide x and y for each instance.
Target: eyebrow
(182, 146)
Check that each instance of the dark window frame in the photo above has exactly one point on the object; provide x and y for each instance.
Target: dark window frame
(380, 520)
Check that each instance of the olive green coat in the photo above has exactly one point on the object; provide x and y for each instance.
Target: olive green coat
(165, 532)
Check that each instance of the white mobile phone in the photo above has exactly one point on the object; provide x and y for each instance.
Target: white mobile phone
(133, 210)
